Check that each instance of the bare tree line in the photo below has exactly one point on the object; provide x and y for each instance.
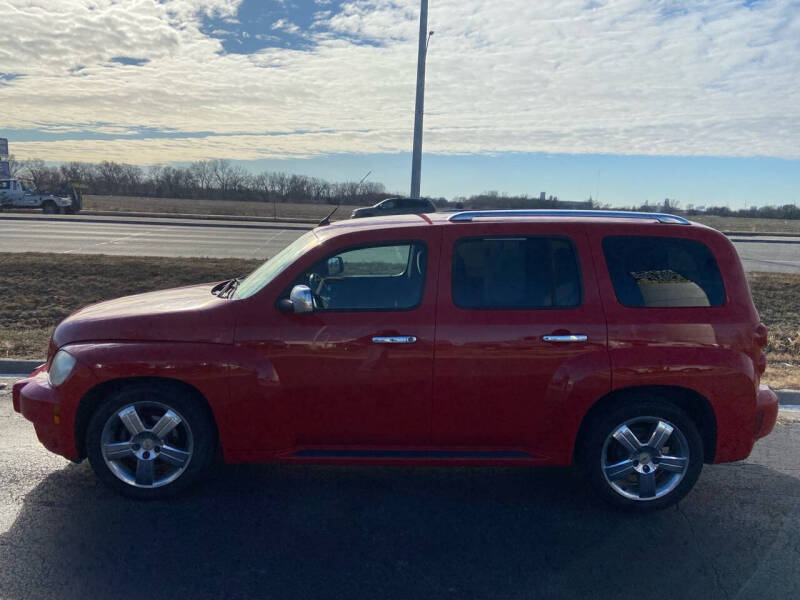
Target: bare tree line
(216, 179)
(489, 200)
(219, 179)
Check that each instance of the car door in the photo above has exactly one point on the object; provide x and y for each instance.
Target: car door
(387, 207)
(356, 371)
(521, 336)
(25, 198)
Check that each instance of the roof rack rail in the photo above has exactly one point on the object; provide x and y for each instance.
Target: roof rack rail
(469, 215)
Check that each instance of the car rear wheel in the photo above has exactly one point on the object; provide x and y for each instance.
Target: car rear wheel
(150, 441)
(49, 208)
(643, 455)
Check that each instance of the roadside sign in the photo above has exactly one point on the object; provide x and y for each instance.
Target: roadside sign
(5, 170)
(3, 147)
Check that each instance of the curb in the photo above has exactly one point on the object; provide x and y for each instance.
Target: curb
(761, 233)
(788, 397)
(162, 215)
(12, 366)
(201, 217)
(121, 221)
(782, 242)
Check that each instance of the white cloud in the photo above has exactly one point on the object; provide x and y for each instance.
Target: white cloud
(285, 25)
(625, 76)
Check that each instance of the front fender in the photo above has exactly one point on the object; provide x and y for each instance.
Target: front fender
(205, 367)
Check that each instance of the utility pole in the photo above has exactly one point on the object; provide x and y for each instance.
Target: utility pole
(424, 38)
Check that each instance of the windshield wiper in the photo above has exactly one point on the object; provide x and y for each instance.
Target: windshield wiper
(228, 288)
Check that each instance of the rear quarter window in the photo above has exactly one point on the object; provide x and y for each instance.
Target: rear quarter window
(663, 272)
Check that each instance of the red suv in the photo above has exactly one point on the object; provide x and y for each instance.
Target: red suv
(627, 343)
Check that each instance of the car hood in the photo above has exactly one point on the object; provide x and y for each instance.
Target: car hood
(187, 314)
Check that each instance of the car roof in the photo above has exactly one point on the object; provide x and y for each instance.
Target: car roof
(405, 198)
(456, 218)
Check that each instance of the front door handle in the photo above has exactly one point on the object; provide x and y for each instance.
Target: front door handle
(394, 339)
(571, 338)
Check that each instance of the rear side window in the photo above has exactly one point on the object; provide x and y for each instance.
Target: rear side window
(663, 272)
(515, 273)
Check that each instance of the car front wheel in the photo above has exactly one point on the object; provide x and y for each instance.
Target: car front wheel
(643, 455)
(149, 441)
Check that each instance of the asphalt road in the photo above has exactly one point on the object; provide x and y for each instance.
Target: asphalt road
(147, 237)
(764, 253)
(394, 533)
(223, 239)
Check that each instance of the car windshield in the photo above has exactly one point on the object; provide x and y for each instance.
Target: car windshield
(264, 274)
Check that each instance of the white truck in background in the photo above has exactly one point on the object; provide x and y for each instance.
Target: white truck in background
(14, 194)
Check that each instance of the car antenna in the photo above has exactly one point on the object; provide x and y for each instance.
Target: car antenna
(327, 220)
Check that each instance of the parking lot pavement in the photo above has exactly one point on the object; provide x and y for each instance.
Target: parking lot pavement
(338, 532)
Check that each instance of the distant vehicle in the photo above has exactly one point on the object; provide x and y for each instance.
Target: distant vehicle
(395, 206)
(14, 194)
(627, 343)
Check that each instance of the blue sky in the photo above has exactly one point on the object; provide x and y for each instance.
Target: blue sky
(272, 24)
(635, 99)
(617, 180)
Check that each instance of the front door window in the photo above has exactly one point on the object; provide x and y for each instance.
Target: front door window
(385, 277)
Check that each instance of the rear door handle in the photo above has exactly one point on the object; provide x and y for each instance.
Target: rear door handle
(394, 339)
(566, 339)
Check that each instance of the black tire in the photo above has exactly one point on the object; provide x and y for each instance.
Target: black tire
(193, 415)
(638, 413)
(49, 208)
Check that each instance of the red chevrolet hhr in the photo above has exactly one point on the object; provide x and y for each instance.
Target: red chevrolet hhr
(626, 343)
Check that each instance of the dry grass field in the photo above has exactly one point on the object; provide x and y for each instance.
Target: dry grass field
(777, 297)
(748, 225)
(42, 289)
(214, 207)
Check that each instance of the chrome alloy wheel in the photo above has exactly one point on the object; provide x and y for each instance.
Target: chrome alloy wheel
(146, 444)
(645, 458)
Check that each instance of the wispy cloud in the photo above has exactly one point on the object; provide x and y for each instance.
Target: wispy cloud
(713, 77)
(285, 25)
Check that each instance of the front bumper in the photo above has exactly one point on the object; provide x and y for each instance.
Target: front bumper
(44, 406)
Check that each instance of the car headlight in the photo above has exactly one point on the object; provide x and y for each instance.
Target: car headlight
(61, 367)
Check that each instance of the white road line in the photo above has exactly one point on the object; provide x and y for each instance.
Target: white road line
(259, 248)
(143, 238)
(155, 233)
(178, 231)
(76, 250)
(790, 263)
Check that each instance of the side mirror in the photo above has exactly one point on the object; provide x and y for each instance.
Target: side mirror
(335, 265)
(300, 300)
